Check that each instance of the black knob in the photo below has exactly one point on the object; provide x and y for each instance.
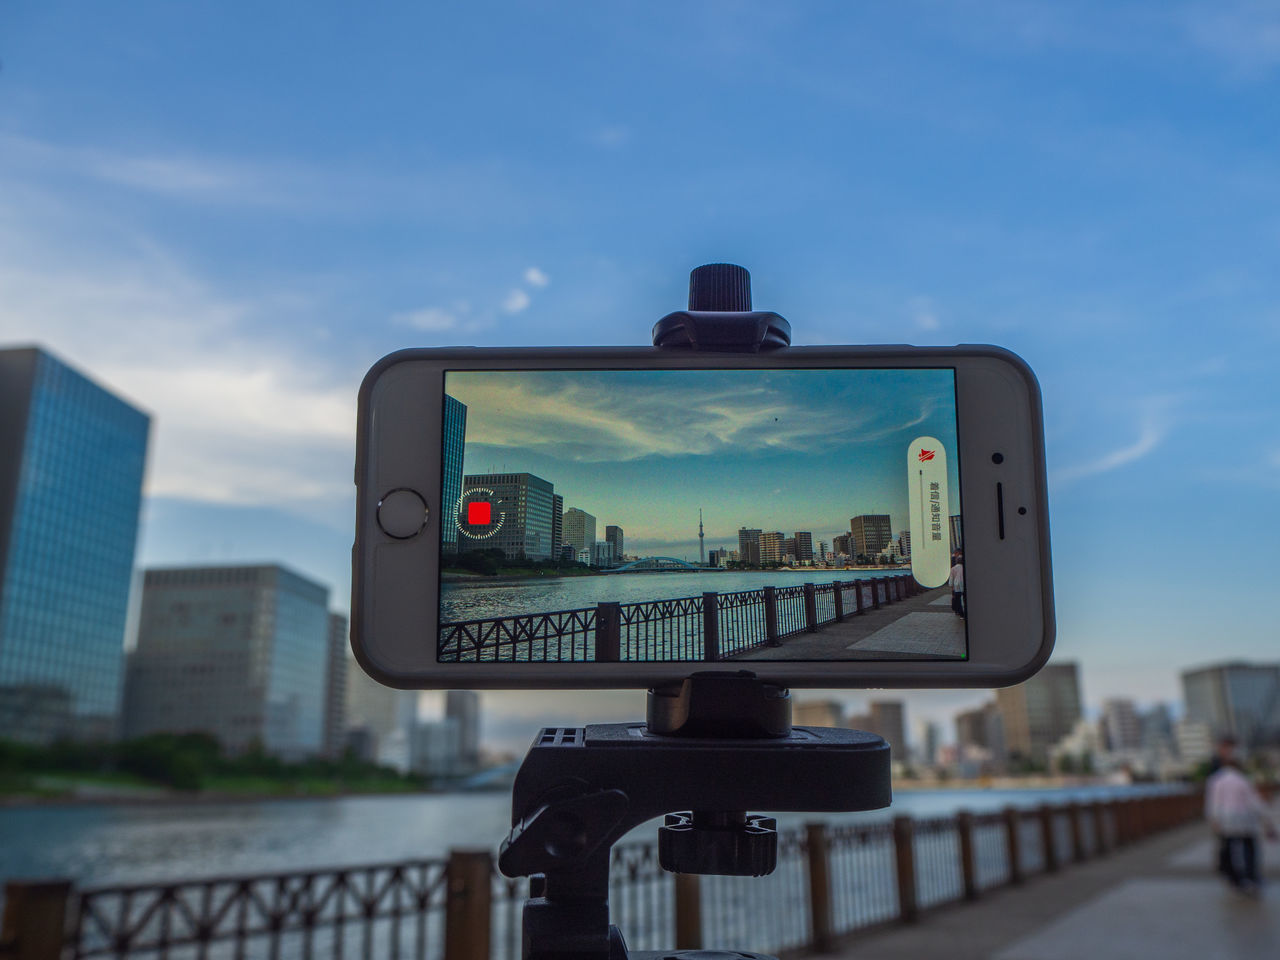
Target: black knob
(721, 287)
(722, 844)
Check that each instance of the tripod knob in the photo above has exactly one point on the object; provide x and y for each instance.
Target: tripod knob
(723, 844)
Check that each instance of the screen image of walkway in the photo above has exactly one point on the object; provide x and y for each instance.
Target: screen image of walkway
(701, 515)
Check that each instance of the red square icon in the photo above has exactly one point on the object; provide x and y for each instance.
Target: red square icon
(479, 513)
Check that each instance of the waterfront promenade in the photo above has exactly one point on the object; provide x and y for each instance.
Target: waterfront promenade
(1158, 900)
(920, 627)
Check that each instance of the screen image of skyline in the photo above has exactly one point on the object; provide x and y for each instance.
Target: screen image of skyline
(771, 449)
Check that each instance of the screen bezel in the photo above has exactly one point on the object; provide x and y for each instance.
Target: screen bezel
(395, 582)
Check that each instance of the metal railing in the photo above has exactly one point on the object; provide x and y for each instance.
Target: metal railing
(712, 626)
(830, 881)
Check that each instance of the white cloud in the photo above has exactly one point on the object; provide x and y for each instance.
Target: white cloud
(237, 417)
(536, 278)
(1244, 34)
(923, 313)
(515, 301)
(1153, 428)
(431, 319)
(611, 136)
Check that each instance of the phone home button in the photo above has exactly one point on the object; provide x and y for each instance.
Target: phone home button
(402, 514)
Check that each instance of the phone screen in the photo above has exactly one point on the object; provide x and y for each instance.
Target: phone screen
(701, 515)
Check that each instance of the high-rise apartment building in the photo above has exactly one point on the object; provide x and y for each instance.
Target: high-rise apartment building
(871, 533)
(1121, 725)
(463, 707)
(72, 457)
(525, 504)
(904, 542)
(983, 729)
(1238, 699)
(748, 547)
(614, 535)
(241, 653)
(557, 526)
(803, 551)
(889, 720)
(1041, 711)
(454, 438)
(772, 546)
(841, 545)
(932, 741)
(335, 687)
(580, 530)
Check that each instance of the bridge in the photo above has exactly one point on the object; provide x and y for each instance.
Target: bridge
(658, 565)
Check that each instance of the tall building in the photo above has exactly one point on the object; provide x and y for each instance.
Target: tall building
(557, 526)
(579, 530)
(335, 687)
(772, 544)
(841, 545)
(378, 715)
(463, 707)
(1041, 711)
(237, 652)
(957, 533)
(525, 504)
(803, 546)
(932, 741)
(904, 542)
(1121, 725)
(871, 533)
(72, 457)
(614, 536)
(453, 442)
(748, 547)
(889, 720)
(982, 729)
(1240, 699)
(818, 713)
(434, 748)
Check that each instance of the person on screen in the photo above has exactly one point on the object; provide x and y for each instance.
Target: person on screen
(957, 585)
(1236, 812)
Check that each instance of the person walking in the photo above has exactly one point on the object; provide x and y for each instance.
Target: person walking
(957, 585)
(1236, 813)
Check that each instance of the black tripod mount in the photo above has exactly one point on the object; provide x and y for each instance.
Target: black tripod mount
(713, 746)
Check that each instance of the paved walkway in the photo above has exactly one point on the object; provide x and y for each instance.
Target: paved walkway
(1157, 900)
(920, 627)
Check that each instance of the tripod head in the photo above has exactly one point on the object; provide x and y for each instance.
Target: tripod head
(713, 747)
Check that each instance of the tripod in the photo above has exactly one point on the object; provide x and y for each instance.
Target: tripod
(713, 746)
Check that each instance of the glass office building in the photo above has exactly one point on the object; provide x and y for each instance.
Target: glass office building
(454, 440)
(72, 457)
(241, 653)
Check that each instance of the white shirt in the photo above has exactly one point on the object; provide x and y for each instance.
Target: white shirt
(957, 578)
(1232, 805)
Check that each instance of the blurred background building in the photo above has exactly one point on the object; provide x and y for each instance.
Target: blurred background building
(72, 458)
(241, 653)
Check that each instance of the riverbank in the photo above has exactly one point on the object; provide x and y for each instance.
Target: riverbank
(64, 791)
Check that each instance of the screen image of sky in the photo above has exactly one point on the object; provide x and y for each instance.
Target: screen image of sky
(779, 450)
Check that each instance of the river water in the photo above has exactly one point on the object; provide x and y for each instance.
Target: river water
(95, 844)
(478, 599)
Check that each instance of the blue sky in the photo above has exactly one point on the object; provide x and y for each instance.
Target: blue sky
(228, 211)
(786, 450)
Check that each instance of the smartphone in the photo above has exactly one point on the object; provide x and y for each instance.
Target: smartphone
(821, 516)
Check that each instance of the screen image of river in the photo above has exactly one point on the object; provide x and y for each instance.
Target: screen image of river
(701, 515)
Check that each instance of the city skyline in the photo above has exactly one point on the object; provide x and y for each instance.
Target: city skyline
(742, 444)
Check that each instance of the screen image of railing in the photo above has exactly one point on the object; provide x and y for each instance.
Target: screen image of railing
(708, 627)
(831, 881)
